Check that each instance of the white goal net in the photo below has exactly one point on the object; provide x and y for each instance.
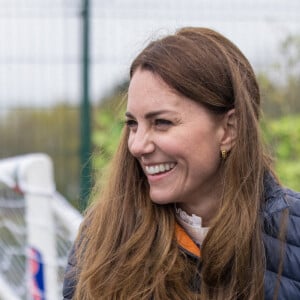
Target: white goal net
(37, 229)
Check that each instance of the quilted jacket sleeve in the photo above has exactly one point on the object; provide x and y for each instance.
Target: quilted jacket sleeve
(290, 279)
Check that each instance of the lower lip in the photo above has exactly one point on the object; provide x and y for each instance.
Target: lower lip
(158, 177)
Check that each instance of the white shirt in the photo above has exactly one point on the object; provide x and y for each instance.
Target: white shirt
(192, 225)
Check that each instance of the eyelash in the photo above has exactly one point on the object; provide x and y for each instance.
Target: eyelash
(162, 122)
(132, 124)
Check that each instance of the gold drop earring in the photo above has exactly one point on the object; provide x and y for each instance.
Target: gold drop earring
(223, 154)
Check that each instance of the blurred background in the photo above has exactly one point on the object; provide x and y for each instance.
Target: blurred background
(64, 69)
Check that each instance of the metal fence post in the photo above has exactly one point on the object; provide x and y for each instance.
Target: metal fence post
(85, 151)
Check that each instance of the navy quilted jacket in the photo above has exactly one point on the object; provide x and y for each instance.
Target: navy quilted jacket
(277, 200)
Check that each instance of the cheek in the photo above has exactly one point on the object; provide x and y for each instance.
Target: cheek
(204, 148)
(129, 143)
(170, 145)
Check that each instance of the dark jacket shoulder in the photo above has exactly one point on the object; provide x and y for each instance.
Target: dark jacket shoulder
(281, 211)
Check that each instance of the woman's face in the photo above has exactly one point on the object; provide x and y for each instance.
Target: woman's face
(176, 141)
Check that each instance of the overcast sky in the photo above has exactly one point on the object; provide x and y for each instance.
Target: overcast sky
(40, 39)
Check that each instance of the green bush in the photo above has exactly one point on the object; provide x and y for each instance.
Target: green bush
(283, 137)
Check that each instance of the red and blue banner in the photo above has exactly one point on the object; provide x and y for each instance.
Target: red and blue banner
(36, 275)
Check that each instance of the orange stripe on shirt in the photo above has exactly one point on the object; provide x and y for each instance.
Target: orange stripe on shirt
(185, 241)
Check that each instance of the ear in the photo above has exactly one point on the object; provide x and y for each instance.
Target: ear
(230, 131)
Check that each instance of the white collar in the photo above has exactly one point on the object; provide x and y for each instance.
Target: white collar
(192, 225)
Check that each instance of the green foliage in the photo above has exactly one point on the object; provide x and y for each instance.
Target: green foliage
(106, 137)
(283, 136)
(281, 107)
(289, 173)
(280, 88)
(108, 124)
(54, 131)
(272, 97)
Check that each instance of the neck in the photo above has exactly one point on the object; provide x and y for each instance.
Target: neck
(205, 208)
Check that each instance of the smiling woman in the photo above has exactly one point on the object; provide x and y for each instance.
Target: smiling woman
(183, 136)
(192, 208)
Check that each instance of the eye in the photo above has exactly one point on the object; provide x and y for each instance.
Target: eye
(162, 123)
(131, 124)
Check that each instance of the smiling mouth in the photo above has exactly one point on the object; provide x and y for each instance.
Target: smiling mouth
(159, 168)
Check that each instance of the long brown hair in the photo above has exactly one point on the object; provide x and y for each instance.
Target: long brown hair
(127, 247)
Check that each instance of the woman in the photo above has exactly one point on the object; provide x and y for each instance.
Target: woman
(192, 208)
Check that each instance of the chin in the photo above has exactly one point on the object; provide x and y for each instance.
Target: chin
(161, 200)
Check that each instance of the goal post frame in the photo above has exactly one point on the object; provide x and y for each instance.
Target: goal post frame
(32, 175)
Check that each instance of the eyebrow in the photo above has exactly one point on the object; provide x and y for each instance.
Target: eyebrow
(151, 114)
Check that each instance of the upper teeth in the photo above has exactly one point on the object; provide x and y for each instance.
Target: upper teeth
(159, 168)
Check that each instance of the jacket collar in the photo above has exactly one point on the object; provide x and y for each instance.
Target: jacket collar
(185, 242)
(274, 196)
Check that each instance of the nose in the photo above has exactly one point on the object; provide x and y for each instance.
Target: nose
(140, 143)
